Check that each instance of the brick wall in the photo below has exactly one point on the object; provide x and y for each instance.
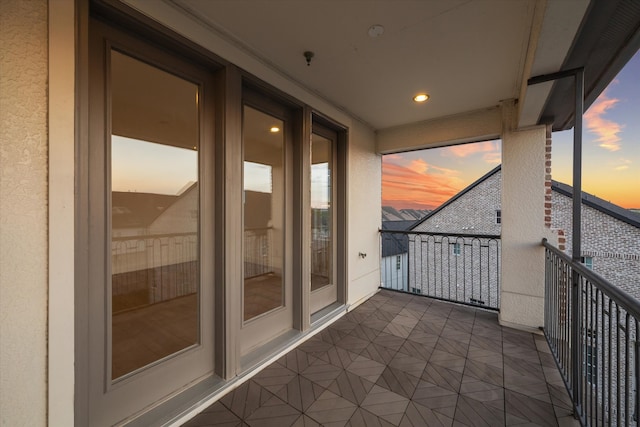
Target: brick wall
(473, 213)
(613, 244)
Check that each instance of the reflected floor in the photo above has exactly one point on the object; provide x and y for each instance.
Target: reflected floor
(261, 294)
(318, 281)
(144, 335)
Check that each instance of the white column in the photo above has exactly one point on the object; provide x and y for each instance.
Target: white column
(523, 226)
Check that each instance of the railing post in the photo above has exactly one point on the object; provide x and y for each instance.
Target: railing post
(576, 346)
(636, 376)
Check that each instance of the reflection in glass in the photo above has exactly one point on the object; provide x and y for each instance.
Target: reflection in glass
(263, 174)
(154, 214)
(321, 238)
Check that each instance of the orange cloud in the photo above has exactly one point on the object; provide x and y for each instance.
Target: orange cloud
(464, 150)
(416, 185)
(418, 166)
(606, 130)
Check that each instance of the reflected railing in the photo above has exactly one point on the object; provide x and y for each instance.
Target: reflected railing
(258, 256)
(321, 251)
(153, 268)
(592, 329)
(463, 268)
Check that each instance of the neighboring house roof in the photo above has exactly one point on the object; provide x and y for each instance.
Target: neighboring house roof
(391, 214)
(590, 200)
(459, 195)
(130, 209)
(134, 210)
(392, 243)
(599, 204)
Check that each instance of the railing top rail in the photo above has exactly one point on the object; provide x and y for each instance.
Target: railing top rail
(152, 236)
(258, 228)
(429, 233)
(619, 296)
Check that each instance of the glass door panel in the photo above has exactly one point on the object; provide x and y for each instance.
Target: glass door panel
(321, 215)
(155, 262)
(264, 204)
(323, 283)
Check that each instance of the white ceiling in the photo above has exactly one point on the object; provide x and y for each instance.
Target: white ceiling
(466, 54)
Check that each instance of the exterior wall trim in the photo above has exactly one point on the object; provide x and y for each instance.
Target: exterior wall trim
(63, 24)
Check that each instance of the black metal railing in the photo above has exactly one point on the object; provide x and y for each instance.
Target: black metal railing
(463, 268)
(591, 327)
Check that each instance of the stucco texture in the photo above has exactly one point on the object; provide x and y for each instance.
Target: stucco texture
(365, 188)
(23, 212)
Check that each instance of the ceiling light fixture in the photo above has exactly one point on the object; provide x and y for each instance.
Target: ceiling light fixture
(274, 129)
(421, 97)
(375, 31)
(308, 55)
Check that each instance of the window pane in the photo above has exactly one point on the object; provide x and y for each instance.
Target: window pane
(321, 238)
(263, 174)
(155, 277)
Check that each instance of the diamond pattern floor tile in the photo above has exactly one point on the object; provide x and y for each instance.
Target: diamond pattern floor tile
(331, 410)
(402, 360)
(352, 387)
(386, 404)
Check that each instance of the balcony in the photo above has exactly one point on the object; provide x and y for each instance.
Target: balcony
(420, 353)
(401, 359)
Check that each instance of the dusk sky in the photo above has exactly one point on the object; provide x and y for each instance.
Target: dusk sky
(611, 155)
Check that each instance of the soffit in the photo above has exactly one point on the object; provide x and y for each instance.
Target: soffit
(467, 55)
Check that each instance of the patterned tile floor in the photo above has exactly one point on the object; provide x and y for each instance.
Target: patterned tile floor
(403, 360)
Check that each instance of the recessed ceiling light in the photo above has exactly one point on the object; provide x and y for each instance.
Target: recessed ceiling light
(375, 31)
(274, 129)
(421, 97)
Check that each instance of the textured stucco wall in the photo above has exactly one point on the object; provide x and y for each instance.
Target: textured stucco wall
(523, 227)
(23, 212)
(365, 188)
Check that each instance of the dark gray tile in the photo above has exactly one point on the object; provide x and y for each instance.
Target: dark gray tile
(352, 387)
(390, 341)
(417, 415)
(435, 397)
(274, 377)
(296, 360)
(331, 409)
(364, 418)
(244, 400)
(365, 333)
(471, 412)
(484, 372)
(398, 382)
(385, 404)
(527, 408)
(300, 393)
(406, 360)
(411, 365)
(215, 415)
(442, 377)
(366, 368)
(322, 373)
(379, 353)
(274, 413)
(353, 343)
(338, 356)
(417, 350)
